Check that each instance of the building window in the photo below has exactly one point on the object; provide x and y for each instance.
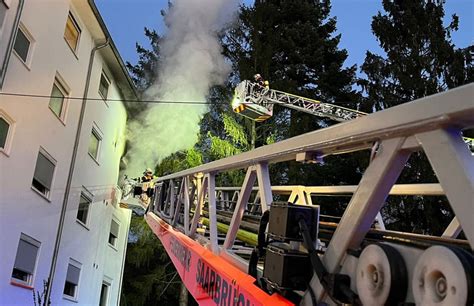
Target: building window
(85, 201)
(104, 294)
(113, 235)
(72, 279)
(6, 132)
(22, 46)
(104, 86)
(4, 128)
(57, 101)
(25, 260)
(72, 32)
(44, 172)
(94, 143)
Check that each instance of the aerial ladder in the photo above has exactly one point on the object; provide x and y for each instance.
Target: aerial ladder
(259, 244)
(256, 102)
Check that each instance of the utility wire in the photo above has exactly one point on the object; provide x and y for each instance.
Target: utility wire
(107, 100)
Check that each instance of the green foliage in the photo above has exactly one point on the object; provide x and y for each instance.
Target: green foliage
(420, 57)
(292, 44)
(235, 131)
(179, 161)
(420, 60)
(149, 275)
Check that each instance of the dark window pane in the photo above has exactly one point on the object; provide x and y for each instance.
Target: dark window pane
(4, 127)
(22, 45)
(83, 210)
(104, 292)
(43, 176)
(112, 239)
(20, 275)
(40, 187)
(70, 289)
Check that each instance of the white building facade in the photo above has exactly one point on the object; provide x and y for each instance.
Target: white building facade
(60, 154)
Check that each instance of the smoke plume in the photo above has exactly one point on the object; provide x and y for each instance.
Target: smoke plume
(191, 63)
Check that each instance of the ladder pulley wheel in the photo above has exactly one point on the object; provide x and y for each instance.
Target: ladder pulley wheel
(381, 275)
(443, 276)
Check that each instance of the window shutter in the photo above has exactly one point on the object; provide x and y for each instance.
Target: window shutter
(73, 274)
(44, 171)
(114, 228)
(26, 257)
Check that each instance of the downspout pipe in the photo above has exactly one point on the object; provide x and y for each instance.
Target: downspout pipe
(62, 216)
(11, 41)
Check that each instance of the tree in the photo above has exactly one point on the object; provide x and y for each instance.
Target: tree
(149, 275)
(420, 60)
(293, 44)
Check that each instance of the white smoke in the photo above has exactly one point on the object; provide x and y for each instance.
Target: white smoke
(191, 63)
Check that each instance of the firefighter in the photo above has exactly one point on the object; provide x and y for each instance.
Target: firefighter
(261, 82)
(147, 186)
(147, 175)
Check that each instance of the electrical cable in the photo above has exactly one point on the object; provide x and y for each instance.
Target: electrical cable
(25, 95)
(108, 100)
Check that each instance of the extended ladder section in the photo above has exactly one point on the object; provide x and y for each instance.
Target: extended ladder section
(256, 102)
(255, 244)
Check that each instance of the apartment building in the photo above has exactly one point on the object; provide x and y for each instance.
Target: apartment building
(60, 154)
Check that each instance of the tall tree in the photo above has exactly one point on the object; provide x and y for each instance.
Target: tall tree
(295, 46)
(149, 275)
(420, 59)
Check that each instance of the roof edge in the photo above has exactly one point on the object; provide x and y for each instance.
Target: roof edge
(96, 12)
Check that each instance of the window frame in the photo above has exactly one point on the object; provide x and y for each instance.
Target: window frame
(87, 195)
(77, 265)
(31, 277)
(115, 241)
(48, 156)
(100, 137)
(65, 90)
(107, 282)
(11, 130)
(31, 40)
(75, 23)
(107, 80)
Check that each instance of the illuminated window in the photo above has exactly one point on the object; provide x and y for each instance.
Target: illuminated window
(72, 32)
(25, 260)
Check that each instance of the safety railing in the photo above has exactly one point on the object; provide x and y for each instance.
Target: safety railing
(432, 124)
